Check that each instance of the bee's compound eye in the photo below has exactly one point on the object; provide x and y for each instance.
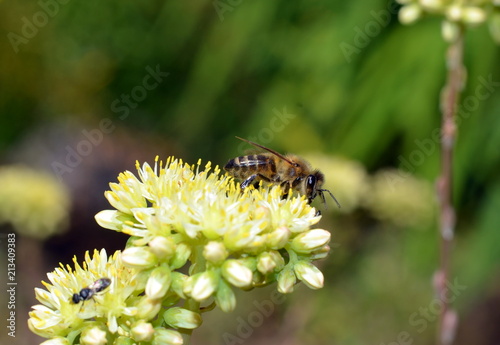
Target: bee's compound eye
(76, 298)
(311, 181)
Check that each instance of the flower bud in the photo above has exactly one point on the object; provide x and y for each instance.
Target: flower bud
(56, 341)
(278, 259)
(454, 12)
(450, 31)
(432, 5)
(142, 331)
(162, 247)
(93, 336)
(147, 308)
(158, 282)
(201, 285)
(473, 15)
(286, 280)
(320, 253)
(164, 336)
(236, 273)
(178, 283)
(110, 219)
(409, 14)
(225, 297)
(215, 252)
(265, 263)
(139, 257)
(278, 238)
(181, 256)
(310, 240)
(182, 318)
(309, 274)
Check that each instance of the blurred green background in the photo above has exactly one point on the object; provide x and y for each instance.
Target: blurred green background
(89, 87)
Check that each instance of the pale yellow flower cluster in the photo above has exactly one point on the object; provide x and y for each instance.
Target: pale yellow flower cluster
(111, 311)
(33, 202)
(401, 199)
(172, 211)
(180, 215)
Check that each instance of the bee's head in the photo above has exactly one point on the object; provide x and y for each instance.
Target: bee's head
(313, 187)
(76, 298)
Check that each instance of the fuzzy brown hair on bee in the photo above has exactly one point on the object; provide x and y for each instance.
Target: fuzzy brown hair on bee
(289, 171)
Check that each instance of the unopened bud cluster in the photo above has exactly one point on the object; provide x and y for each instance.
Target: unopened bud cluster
(455, 13)
(182, 217)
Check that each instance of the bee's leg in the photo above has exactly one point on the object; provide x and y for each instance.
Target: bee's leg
(318, 213)
(248, 181)
(285, 186)
(254, 178)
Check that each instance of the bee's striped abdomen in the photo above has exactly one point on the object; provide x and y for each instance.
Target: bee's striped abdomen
(244, 166)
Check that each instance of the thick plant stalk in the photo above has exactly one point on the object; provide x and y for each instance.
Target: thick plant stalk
(449, 103)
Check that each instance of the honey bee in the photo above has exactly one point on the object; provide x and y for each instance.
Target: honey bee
(87, 293)
(288, 171)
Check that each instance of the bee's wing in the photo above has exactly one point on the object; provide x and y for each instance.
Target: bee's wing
(94, 285)
(268, 150)
(100, 284)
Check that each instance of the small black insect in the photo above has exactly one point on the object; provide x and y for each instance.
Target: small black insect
(87, 293)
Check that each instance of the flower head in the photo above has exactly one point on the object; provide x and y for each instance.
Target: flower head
(401, 199)
(35, 203)
(454, 13)
(173, 209)
(169, 210)
(192, 204)
(180, 215)
(58, 314)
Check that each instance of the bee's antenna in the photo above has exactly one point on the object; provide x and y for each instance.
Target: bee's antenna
(331, 194)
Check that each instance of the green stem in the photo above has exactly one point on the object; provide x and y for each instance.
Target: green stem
(449, 104)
